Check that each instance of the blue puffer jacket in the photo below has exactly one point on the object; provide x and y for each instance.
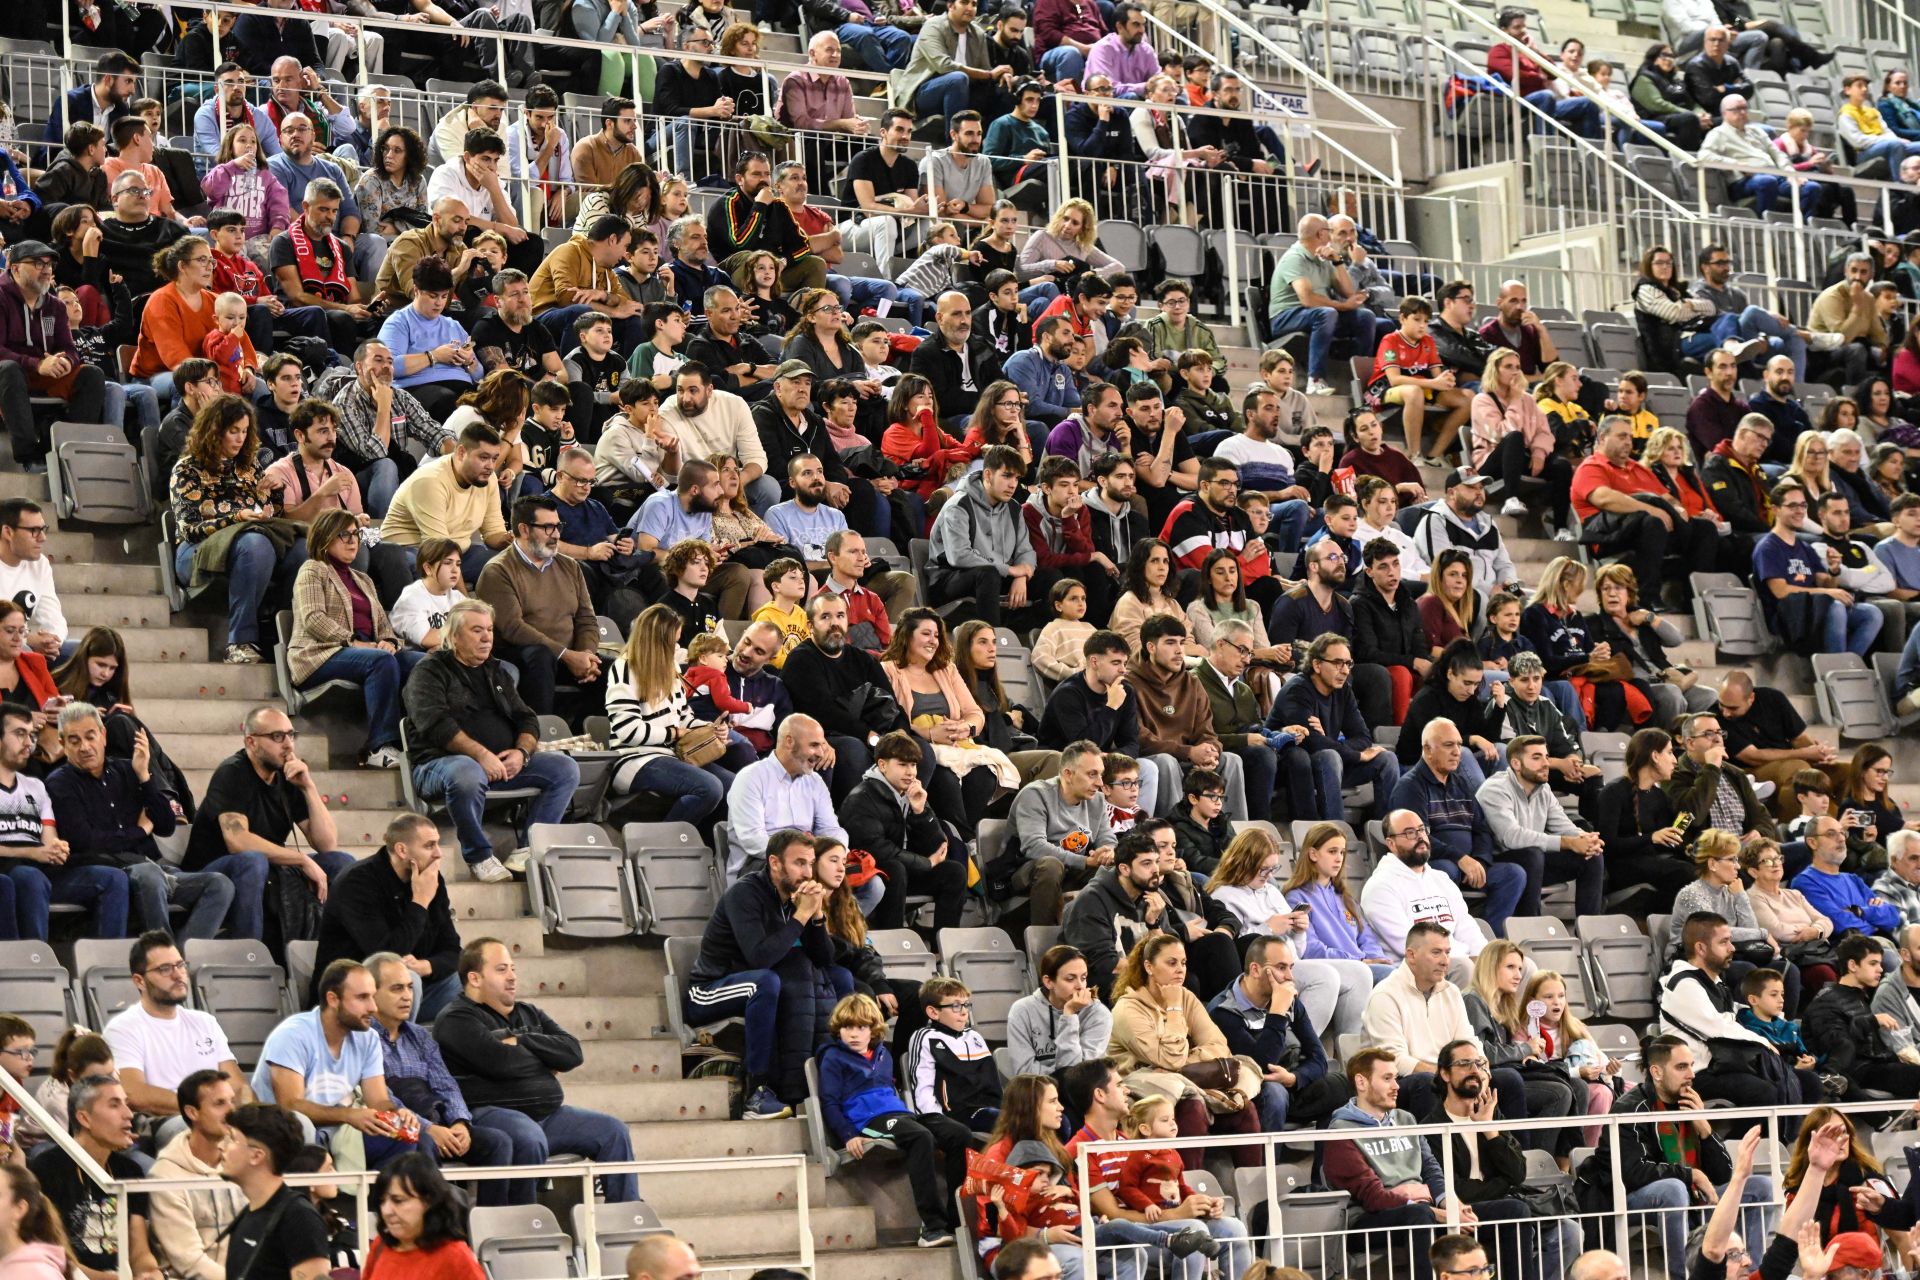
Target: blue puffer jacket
(855, 1088)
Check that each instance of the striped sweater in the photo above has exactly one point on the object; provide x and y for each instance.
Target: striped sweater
(640, 729)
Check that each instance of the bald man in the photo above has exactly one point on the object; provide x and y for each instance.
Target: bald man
(444, 237)
(1594, 1264)
(1767, 738)
(671, 1258)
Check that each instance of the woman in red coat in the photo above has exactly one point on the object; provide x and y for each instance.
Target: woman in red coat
(915, 441)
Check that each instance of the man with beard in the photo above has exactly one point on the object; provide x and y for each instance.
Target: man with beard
(839, 684)
(753, 681)
(806, 520)
(295, 90)
(444, 237)
(1777, 402)
(1517, 328)
(1532, 829)
(1245, 146)
(33, 857)
(298, 166)
(1213, 521)
(453, 496)
(578, 277)
(980, 546)
(744, 222)
(321, 1062)
(1339, 746)
(738, 362)
(1042, 374)
(229, 107)
(1458, 522)
(1099, 427)
(37, 351)
(309, 265)
(1490, 1170)
(692, 264)
(598, 160)
(160, 1040)
(1263, 1017)
(543, 613)
(473, 178)
(377, 419)
(672, 516)
(1697, 1004)
(102, 1125)
(960, 179)
(957, 364)
(1164, 466)
(1624, 511)
(1319, 605)
(308, 480)
(509, 339)
(1176, 719)
(790, 429)
(707, 421)
(1735, 318)
(1117, 524)
(131, 234)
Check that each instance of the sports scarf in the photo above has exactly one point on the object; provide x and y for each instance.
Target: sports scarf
(333, 284)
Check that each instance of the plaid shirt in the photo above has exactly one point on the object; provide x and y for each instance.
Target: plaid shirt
(1900, 894)
(355, 405)
(413, 1054)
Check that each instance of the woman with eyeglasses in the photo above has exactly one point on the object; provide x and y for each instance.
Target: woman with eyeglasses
(1659, 93)
(1717, 888)
(1000, 417)
(821, 339)
(1794, 923)
(341, 632)
(1866, 809)
(178, 316)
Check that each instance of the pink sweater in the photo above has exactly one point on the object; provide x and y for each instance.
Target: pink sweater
(1522, 414)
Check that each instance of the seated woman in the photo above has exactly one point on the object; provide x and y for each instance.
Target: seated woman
(1512, 441)
(1336, 929)
(1160, 1029)
(1568, 642)
(1866, 809)
(753, 543)
(821, 339)
(1500, 1021)
(225, 521)
(1450, 609)
(914, 441)
(1796, 926)
(919, 662)
(1451, 691)
(178, 317)
(341, 632)
(1010, 727)
(1635, 818)
(647, 715)
(1641, 635)
(999, 417)
(1718, 889)
(1149, 569)
(1063, 249)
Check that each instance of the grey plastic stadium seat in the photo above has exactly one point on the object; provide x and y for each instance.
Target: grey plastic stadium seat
(302, 955)
(521, 1242)
(673, 874)
(1728, 613)
(579, 882)
(102, 984)
(297, 699)
(904, 954)
(1848, 695)
(1550, 945)
(236, 980)
(1624, 962)
(1040, 939)
(34, 986)
(617, 1227)
(93, 474)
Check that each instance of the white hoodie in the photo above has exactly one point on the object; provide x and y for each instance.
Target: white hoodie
(31, 584)
(1395, 896)
(1687, 1011)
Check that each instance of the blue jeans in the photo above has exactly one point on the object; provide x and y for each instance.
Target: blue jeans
(116, 396)
(885, 48)
(946, 95)
(1561, 694)
(1290, 522)
(207, 895)
(1892, 150)
(1319, 776)
(696, 792)
(1758, 322)
(1324, 325)
(251, 566)
(1506, 885)
(1582, 115)
(460, 784)
(1767, 189)
(379, 481)
(1849, 628)
(571, 1131)
(1151, 1238)
(103, 890)
(1063, 62)
(380, 676)
(1037, 296)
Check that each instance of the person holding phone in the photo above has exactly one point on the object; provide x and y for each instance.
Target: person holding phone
(433, 356)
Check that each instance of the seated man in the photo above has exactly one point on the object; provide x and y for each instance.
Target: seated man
(186, 1227)
(1842, 896)
(1415, 1010)
(1261, 1016)
(543, 612)
(102, 1124)
(1654, 1179)
(1532, 829)
(980, 546)
(1766, 737)
(1404, 890)
(418, 1078)
(159, 1041)
(1311, 291)
(255, 799)
(1799, 585)
(1341, 749)
(395, 900)
(1846, 1033)
(298, 167)
(785, 792)
(1623, 509)
(1176, 716)
(507, 1057)
(1441, 798)
(464, 745)
(322, 1062)
(1697, 1005)
(760, 958)
(311, 266)
(1060, 834)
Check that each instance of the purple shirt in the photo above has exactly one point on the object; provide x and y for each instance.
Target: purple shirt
(1129, 69)
(1333, 933)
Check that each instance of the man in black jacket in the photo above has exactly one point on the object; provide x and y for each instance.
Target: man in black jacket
(508, 1058)
(789, 428)
(763, 957)
(1652, 1178)
(957, 381)
(1101, 141)
(1843, 1031)
(1461, 347)
(1387, 630)
(1095, 705)
(887, 816)
(1125, 902)
(844, 688)
(1262, 1018)
(1117, 524)
(470, 733)
(396, 901)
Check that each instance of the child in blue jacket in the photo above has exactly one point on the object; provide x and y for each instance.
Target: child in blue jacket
(863, 1109)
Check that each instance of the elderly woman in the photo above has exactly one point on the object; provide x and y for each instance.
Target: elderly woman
(919, 662)
(1846, 464)
(1796, 926)
(1716, 859)
(225, 519)
(1065, 248)
(1641, 636)
(341, 632)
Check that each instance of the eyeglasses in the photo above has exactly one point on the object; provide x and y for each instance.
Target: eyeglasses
(1710, 735)
(956, 1004)
(585, 482)
(25, 1054)
(164, 970)
(1417, 829)
(544, 527)
(1125, 784)
(351, 535)
(278, 736)
(1479, 1064)
(1245, 651)
(1218, 797)
(1341, 663)
(31, 530)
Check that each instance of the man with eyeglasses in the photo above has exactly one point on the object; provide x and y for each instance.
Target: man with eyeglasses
(598, 160)
(1212, 520)
(1450, 822)
(160, 1040)
(1263, 1017)
(228, 107)
(1406, 890)
(130, 233)
(594, 541)
(1735, 317)
(543, 613)
(38, 356)
(1237, 719)
(1706, 786)
(34, 870)
(1339, 745)
(1838, 894)
(1800, 588)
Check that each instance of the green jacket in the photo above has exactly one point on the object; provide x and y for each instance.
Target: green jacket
(1234, 712)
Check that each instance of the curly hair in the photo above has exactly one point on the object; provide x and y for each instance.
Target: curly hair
(203, 438)
(502, 398)
(674, 563)
(414, 165)
(903, 630)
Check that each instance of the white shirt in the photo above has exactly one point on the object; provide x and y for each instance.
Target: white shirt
(1411, 564)
(30, 584)
(167, 1050)
(450, 179)
(1395, 896)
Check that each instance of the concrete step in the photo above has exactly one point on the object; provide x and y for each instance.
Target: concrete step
(640, 1101)
(75, 546)
(200, 682)
(187, 642)
(624, 1062)
(222, 718)
(95, 578)
(525, 939)
(728, 1236)
(601, 1017)
(343, 788)
(743, 1191)
(117, 610)
(604, 970)
(714, 1139)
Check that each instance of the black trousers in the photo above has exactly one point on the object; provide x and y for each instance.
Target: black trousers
(919, 1139)
(946, 884)
(1511, 462)
(1640, 537)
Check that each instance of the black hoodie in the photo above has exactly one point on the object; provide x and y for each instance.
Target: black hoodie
(1392, 636)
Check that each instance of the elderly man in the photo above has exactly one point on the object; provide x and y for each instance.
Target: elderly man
(819, 99)
(1460, 842)
(958, 364)
(37, 353)
(297, 167)
(1850, 309)
(311, 266)
(473, 178)
(694, 271)
(445, 236)
(101, 1122)
(1838, 894)
(1712, 75)
(132, 233)
(1736, 485)
(543, 613)
(1237, 720)
(1899, 884)
(1738, 140)
(1708, 789)
(1311, 290)
(464, 747)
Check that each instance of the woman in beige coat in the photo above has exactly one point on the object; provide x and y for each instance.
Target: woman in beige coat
(1785, 913)
(1160, 1030)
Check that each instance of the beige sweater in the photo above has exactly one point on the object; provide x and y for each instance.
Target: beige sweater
(1413, 1026)
(185, 1225)
(1147, 1037)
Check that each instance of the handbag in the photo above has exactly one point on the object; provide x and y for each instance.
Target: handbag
(1812, 951)
(701, 745)
(1227, 1084)
(1616, 668)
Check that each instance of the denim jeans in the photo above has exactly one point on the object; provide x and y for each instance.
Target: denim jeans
(460, 783)
(1850, 628)
(379, 481)
(569, 1131)
(116, 396)
(558, 321)
(885, 48)
(1324, 325)
(380, 676)
(1290, 522)
(102, 890)
(1758, 322)
(1892, 150)
(1768, 189)
(696, 792)
(1506, 886)
(1063, 62)
(945, 95)
(206, 895)
(251, 566)
(1582, 115)
(1672, 1197)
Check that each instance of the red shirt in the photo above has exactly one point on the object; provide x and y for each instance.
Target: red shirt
(238, 275)
(1103, 1167)
(1416, 360)
(1595, 472)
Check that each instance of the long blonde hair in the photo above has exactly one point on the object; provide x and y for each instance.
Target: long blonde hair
(1572, 1029)
(650, 654)
(1305, 875)
(1554, 580)
(1506, 1009)
(1244, 854)
(1088, 227)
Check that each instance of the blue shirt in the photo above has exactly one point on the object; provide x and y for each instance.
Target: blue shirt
(299, 1044)
(1902, 561)
(296, 177)
(807, 530)
(409, 333)
(210, 120)
(1795, 565)
(1051, 391)
(413, 1054)
(584, 524)
(1846, 900)
(661, 516)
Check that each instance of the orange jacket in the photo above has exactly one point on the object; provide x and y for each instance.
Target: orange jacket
(170, 332)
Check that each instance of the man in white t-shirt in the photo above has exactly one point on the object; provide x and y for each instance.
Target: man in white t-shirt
(1266, 467)
(160, 1042)
(26, 575)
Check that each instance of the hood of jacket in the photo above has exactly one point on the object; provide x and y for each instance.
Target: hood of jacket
(1052, 527)
(996, 528)
(35, 1262)
(1105, 889)
(1153, 681)
(1354, 1117)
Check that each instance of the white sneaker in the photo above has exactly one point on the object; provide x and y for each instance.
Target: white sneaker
(516, 862)
(1745, 349)
(1513, 507)
(1315, 387)
(1563, 535)
(489, 871)
(1910, 703)
(1763, 789)
(384, 758)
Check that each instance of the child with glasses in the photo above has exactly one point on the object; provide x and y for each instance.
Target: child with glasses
(951, 1075)
(1201, 827)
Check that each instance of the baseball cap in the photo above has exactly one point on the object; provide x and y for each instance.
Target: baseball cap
(793, 369)
(1465, 475)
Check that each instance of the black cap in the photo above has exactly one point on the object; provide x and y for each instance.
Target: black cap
(1465, 475)
(27, 250)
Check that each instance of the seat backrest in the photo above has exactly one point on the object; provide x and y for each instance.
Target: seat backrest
(96, 475)
(1040, 939)
(904, 954)
(521, 1242)
(1856, 703)
(586, 891)
(1628, 964)
(1735, 621)
(302, 955)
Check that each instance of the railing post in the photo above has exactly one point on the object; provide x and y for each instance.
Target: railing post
(1228, 196)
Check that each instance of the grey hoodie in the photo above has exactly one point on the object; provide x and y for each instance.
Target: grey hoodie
(973, 533)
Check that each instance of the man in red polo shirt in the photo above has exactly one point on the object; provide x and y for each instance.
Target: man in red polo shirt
(1624, 510)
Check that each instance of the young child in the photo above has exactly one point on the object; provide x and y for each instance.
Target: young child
(1201, 828)
(97, 344)
(1502, 638)
(1121, 784)
(1127, 359)
(1154, 1183)
(420, 614)
(875, 346)
(1765, 992)
(594, 373)
(1571, 1047)
(787, 579)
(950, 1069)
(1813, 792)
(16, 1039)
(936, 270)
(1256, 560)
(863, 1110)
(1060, 650)
(1206, 409)
(634, 451)
(228, 345)
(1003, 321)
(709, 696)
(1052, 1211)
